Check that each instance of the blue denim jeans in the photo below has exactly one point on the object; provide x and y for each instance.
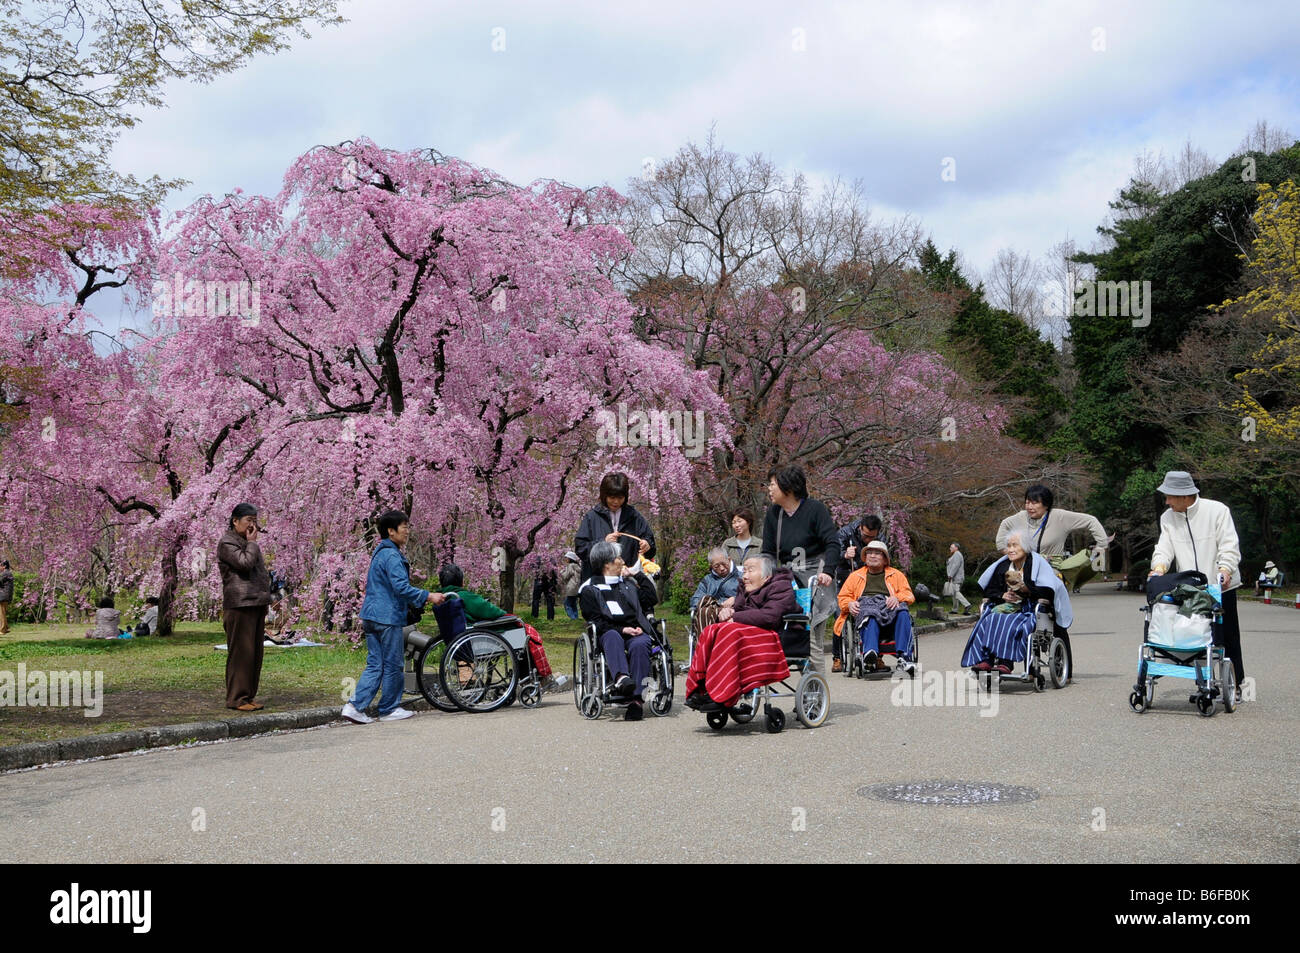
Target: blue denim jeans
(385, 648)
(571, 606)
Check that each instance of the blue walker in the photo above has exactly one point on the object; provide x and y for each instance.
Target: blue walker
(1175, 645)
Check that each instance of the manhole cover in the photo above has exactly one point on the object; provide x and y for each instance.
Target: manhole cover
(950, 792)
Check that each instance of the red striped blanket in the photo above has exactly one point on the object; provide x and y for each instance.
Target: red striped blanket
(731, 659)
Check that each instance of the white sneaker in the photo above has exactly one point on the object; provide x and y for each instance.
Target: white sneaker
(556, 683)
(359, 717)
(397, 714)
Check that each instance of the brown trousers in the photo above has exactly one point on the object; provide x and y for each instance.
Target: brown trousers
(4, 617)
(245, 631)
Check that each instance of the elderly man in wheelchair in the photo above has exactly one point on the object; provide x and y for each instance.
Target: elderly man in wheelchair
(616, 600)
(877, 597)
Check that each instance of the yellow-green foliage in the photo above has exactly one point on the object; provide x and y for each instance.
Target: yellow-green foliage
(1274, 269)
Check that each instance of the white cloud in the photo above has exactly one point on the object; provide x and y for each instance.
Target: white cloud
(1043, 126)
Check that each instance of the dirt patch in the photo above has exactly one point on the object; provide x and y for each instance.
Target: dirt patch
(135, 709)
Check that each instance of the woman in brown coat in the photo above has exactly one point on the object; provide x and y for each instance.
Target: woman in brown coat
(246, 593)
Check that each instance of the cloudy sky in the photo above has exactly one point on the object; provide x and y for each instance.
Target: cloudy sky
(1042, 107)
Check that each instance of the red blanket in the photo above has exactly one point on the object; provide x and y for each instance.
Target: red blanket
(731, 659)
(537, 651)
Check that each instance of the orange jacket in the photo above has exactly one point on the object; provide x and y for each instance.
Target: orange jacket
(851, 592)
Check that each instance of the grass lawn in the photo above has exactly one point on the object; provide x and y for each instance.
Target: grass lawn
(180, 679)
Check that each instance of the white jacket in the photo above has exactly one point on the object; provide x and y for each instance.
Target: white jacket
(1204, 538)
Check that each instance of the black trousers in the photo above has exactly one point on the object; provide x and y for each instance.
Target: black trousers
(1228, 633)
(538, 595)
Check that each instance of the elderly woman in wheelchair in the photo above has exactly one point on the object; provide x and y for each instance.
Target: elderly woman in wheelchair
(742, 650)
(615, 601)
(740, 664)
(1025, 615)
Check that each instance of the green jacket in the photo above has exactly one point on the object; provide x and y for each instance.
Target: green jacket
(477, 609)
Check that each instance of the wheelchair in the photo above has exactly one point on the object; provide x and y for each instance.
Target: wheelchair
(853, 656)
(1182, 648)
(473, 668)
(1045, 652)
(812, 693)
(592, 691)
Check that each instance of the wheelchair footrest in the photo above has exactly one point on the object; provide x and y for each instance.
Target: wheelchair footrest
(1171, 670)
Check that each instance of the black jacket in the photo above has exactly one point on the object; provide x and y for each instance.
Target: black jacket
(596, 526)
(633, 600)
(847, 537)
(810, 529)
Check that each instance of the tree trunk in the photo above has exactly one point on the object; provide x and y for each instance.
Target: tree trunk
(167, 593)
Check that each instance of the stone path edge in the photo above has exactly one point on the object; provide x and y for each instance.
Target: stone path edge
(36, 753)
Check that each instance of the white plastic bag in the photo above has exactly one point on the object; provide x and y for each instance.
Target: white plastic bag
(1170, 628)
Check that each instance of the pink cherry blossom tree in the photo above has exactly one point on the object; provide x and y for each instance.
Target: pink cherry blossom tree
(407, 331)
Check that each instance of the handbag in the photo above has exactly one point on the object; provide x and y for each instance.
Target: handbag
(948, 588)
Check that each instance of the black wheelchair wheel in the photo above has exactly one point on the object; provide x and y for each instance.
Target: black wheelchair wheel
(478, 671)
(428, 675)
(1058, 662)
(660, 700)
(775, 720)
(716, 719)
(1228, 685)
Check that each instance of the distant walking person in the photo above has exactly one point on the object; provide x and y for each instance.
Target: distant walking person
(245, 594)
(6, 596)
(545, 585)
(570, 580)
(956, 576)
(389, 594)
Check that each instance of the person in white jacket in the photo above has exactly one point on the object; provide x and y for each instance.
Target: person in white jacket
(1199, 534)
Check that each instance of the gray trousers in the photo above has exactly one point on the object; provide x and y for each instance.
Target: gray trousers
(825, 606)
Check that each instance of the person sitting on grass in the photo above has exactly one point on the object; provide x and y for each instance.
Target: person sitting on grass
(451, 582)
(148, 624)
(616, 600)
(107, 621)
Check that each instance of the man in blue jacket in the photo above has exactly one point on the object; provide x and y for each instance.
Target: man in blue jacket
(383, 614)
(722, 580)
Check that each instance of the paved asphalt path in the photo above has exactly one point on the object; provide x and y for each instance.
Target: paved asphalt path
(545, 785)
